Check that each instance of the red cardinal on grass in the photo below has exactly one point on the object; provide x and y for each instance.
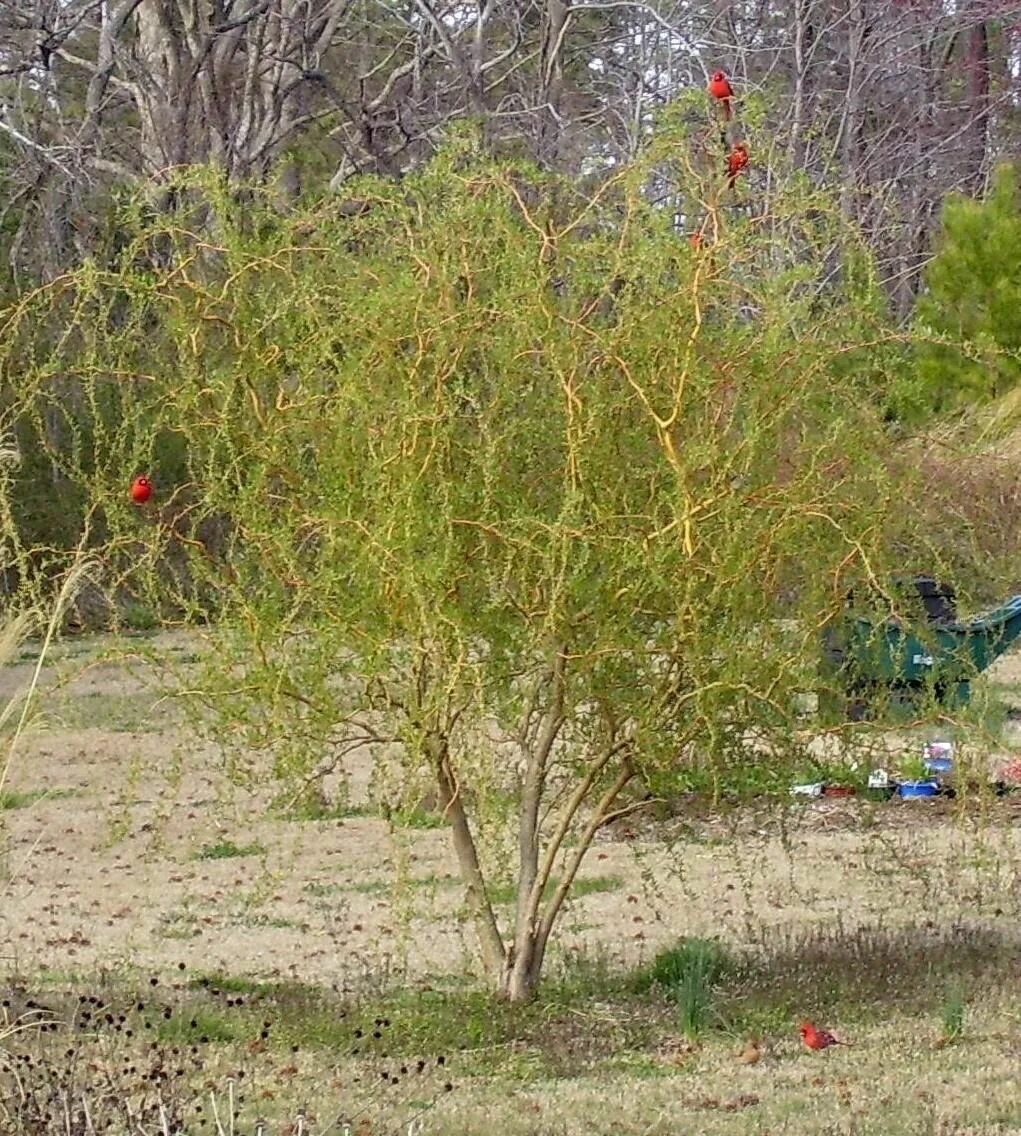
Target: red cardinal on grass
(720, 88)
(817, 1038)
(737, 160)
(141, 489)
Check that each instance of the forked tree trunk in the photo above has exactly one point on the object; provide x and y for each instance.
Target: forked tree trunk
(520, 979)
(515, 967)
(451, 802)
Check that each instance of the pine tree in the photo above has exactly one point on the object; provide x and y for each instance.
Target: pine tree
(969, 316)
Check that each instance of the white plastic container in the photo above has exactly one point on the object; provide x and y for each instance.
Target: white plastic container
(812, 790)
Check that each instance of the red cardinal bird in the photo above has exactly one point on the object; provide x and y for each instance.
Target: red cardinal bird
(141, 489)
(817, 1038)
(720, 88)
(737, 159)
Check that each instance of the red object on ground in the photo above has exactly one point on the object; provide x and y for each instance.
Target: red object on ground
(141, 489)
(838, 791)
(720, 88)
(1012, 771)
(817, 1038)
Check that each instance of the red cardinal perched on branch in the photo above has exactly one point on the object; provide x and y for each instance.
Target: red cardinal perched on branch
(141, 489)
(737, 160)
(720, 88)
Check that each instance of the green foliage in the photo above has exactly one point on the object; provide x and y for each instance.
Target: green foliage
(311, 804)
(590, 885)
(952, 1011)
(227, 849)
(688, 974)
(970, 312)
(13, 799)
(670, 969)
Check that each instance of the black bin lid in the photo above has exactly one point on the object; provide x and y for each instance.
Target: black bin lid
(927, 586)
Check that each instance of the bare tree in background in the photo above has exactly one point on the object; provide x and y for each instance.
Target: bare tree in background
(896, 102)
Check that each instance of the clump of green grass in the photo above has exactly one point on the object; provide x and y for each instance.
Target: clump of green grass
(688, 975)
(196, 1026)
(565, 1028)
(12, 799)
(952, 1012)
(418, 817)
(227, 850)
(115, 712)
(379, 887)
(218, 982)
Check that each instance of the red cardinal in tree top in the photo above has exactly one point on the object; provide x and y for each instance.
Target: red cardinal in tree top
(737, 159)
(817, 1038)
(141, 489)
(720, 88)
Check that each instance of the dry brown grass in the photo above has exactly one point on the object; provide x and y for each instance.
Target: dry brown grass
(860, 918)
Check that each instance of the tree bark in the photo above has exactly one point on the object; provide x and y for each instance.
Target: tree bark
(451, 802)
(977, 63)
(527, 958)
(555, 17)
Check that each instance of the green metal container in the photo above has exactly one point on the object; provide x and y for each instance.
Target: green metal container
(939, 656)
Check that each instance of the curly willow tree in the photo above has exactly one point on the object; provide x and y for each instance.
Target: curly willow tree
(483, 465)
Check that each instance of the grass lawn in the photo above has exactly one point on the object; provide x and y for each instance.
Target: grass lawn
(180, 956)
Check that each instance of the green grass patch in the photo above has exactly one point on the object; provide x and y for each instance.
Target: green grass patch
(228, 850)
(688, 975)
(140, 712)
(671, 968)
(418, 817)
(191, 1026)
(12, 799)
(586, 885)
(277, 922)
(454, 1020)
(588, 1019)
(322, 890)
(952, 1011)
(217, 982)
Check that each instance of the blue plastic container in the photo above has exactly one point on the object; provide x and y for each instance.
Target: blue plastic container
(918, 788)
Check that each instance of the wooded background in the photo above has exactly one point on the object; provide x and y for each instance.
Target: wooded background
(897, 102)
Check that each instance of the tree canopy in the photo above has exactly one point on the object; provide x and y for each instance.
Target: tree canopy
(478, 465)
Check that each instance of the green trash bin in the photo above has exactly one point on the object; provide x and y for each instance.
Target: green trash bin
(936, 652)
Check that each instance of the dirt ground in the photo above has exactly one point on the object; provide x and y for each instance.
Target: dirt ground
(111, 859)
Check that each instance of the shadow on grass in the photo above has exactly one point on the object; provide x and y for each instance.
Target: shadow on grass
(587, 1016)
(866, 972)
(85, 1056)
